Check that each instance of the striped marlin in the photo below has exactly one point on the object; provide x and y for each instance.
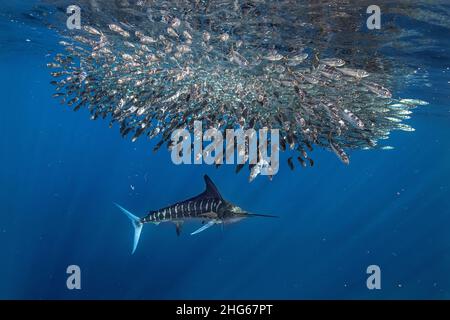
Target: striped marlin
(208, 207)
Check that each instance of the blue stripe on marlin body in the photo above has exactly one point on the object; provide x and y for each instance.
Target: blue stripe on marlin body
(208, 207)
(185, 210)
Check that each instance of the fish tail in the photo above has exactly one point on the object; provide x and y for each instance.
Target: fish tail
(137, 225)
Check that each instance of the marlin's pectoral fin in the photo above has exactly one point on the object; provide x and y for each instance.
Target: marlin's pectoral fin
(204, 227)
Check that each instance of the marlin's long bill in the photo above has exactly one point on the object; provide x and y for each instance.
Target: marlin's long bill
(261, 215)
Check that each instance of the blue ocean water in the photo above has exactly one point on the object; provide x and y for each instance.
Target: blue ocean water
(61, 173)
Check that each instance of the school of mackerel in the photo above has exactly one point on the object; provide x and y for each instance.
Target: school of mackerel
(230, 64)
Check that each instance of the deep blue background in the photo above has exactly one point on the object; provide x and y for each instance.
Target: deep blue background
(60, 174)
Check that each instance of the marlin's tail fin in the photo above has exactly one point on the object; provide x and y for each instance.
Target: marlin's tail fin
(137, 224)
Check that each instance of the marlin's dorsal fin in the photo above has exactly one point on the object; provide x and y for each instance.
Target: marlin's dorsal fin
(211, 190)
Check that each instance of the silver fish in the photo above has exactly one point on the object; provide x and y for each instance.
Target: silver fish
(356, 73)
(333, 62)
